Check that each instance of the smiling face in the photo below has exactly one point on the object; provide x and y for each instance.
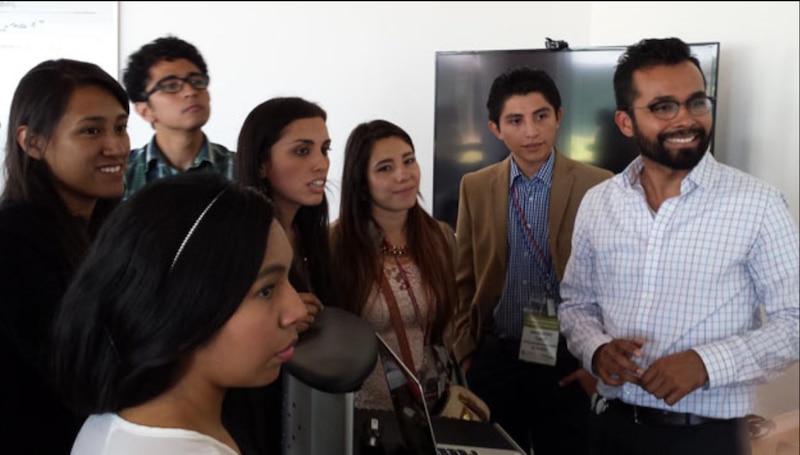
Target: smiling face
(298, 165)
(186, 110)
(528, 127)
(88, 150)
(259, 337)
(393, 176)
(679, 143)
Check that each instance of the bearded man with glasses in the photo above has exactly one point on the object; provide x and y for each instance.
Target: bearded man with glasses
(673, 262)
(167, 82)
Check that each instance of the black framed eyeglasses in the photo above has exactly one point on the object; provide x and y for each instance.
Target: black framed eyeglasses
(668, 110)
(174, 84)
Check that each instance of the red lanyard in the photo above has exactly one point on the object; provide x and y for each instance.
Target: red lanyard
(547, 262)
(414, 303)
(527, 227)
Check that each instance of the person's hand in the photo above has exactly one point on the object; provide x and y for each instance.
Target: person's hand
(674, 376)
(313, 306)
(612, 361)
(585, 379)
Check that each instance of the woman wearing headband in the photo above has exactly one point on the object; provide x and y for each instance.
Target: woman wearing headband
(184, 294)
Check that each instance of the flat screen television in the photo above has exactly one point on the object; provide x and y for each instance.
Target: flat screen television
(463, 142)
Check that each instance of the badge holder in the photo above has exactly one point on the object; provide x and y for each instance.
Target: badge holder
(540, 330)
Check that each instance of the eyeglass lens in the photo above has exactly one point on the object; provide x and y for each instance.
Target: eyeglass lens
(669, 109)
(175, 84)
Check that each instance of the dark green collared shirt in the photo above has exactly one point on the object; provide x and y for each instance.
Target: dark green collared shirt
(148, 163)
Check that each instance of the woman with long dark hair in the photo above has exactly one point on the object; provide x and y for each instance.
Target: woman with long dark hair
(66, 152)
(389, 252)
(283, 153)
(183, 295)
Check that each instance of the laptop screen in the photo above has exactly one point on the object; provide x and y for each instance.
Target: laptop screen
(408, 401)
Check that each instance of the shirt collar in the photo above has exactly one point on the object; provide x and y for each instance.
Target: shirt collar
(153, 154)
(633, 171)
(545, 174)
(703, 174)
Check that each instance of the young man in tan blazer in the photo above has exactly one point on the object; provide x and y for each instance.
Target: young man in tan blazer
(514, 234)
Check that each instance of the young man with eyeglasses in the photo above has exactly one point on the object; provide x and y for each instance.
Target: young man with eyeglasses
(167, 81)
(673, 262)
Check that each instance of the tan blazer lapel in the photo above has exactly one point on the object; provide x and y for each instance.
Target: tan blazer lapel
(499, 199)
(560, 191)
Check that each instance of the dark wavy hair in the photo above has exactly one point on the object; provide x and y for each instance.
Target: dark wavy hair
(520, 81)
(39, 102)
(356, 257)
(262, 128)
(648, 53)
(143, 299)
(167, 48)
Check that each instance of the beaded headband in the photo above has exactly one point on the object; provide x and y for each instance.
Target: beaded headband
(192, 229)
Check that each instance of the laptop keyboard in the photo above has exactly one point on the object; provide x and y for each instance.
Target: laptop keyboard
(442, 451)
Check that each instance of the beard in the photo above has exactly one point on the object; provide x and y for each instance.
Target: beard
(680, 159)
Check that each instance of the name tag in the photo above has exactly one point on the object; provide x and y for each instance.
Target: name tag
(540, 329)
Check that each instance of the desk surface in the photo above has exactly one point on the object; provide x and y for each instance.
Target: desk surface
(451, 431)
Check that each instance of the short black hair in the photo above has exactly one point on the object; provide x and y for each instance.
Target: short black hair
(648, 53)
(521, 81)
(167, 48)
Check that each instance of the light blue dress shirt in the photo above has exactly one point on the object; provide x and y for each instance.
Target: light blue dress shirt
(692, 275)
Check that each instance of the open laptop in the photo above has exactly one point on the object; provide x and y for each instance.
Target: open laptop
(414, 420)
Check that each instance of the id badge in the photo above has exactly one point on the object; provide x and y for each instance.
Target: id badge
(540, 329)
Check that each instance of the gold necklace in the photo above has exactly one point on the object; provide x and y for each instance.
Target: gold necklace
(388, 248)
